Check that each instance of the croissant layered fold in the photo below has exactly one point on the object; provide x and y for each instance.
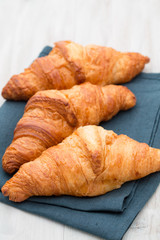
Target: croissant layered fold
(90, 162)
(52, 115)
(69, 64)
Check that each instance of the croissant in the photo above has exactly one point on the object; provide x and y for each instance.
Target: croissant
(69, 64)
(90, 162)
(52, 115)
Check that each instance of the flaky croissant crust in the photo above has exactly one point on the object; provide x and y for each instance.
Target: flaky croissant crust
(90, 162)
(52, 115)
(69, 64)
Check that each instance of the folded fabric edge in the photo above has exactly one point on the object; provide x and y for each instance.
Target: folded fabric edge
(123, 206)
(128, 198)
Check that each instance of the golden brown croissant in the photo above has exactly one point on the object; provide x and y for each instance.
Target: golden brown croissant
(90, 162)
(52, 115)
(69, 64)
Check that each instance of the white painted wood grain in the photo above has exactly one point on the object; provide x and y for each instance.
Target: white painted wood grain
(27, 26)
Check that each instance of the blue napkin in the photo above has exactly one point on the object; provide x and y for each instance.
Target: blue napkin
(108, 216)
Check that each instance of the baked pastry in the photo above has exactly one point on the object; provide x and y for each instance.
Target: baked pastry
(52, 115)
(90, 162)
(69, 64)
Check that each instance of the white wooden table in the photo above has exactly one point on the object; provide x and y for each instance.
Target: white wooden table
(25, 28)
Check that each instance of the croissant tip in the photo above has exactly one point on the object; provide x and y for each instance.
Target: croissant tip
(13, 90)
(4, 93)
(8, 166)
(129, 100)
(9, 170)
(133, 100)
(12, 193)
(147, 59)
(7, 93)
(5, 191)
